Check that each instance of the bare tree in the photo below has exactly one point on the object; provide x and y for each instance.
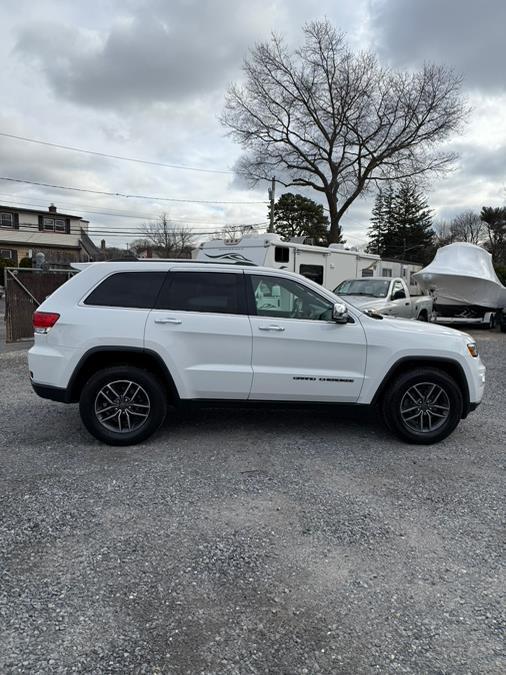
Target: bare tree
(169, 240)
(235, 232)
(467, 226)
(443, 234)
(325, 118)
(139, 245)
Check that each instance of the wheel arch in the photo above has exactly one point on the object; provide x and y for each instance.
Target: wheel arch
(449, 366)
(105, 357)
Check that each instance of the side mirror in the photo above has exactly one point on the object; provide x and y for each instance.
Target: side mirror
(399, 295)
(340, 313)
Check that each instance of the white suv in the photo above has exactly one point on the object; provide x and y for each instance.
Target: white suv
(127, 339)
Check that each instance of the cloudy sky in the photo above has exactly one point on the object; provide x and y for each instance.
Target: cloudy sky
(146, 79)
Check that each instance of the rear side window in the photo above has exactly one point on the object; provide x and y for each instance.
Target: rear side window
(128, 289)
(203, 292)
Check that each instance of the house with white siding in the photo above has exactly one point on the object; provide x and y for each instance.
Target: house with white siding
(62, 237)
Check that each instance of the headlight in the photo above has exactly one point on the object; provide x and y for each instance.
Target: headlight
(472, 348)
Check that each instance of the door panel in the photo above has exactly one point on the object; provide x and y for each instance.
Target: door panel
(301, 358)
(205, 341)
(401, 307)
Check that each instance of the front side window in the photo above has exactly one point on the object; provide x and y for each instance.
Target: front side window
(284, 298)
(398, 287)
(216, 292)
(128, 289)
(6, 220)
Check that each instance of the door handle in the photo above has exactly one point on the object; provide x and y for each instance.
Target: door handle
(168, 320)
(272, 327)
(407, 304)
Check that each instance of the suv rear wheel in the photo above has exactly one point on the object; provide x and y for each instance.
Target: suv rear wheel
(122, 405)
(423, 406)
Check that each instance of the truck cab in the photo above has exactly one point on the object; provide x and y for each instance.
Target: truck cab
(387, 295)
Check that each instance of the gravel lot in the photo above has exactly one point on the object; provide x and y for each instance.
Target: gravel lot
(251, 542)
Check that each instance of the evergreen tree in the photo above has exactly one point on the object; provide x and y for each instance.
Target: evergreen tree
(382, 222)
(298, 216)
(413, 224)
(401, 224)
(495, 223)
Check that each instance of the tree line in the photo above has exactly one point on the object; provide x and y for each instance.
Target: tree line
(401, 225)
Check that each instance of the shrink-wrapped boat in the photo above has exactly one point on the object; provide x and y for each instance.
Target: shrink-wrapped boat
(463, 275)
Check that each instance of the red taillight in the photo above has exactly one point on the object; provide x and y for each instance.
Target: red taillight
(43, 321)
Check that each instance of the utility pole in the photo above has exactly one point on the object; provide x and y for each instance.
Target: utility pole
(271, 198)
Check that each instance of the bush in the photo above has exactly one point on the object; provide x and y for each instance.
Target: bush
(25, 262)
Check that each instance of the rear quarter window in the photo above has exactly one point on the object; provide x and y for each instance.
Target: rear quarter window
(127, 289)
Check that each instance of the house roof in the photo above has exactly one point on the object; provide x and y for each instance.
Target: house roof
(42, 212)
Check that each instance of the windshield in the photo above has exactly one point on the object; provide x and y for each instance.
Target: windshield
(375, 288)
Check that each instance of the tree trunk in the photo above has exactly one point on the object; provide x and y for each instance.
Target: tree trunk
(335, 233)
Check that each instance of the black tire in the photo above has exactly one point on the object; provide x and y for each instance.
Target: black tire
(503, 326)
(399, 395)
(144, 413)
(423, 316)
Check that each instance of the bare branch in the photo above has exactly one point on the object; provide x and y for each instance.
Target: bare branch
(169, 240)
(326, 118)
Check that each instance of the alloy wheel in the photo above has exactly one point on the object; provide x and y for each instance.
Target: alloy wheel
(425, 407)
(122, 406)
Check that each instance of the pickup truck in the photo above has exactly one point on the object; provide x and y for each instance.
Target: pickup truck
(385, 295)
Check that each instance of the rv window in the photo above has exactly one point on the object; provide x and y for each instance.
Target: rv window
(368, 272)
(313, 272)
(282, 254)
(387, 272)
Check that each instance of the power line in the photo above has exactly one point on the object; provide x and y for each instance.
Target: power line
(123, 214)
(120, 157)
(124, 195)
(32, 228)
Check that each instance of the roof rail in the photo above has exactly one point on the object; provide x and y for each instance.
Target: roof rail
(197, 262)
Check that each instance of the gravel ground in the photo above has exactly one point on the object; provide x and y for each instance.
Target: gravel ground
(251, 542)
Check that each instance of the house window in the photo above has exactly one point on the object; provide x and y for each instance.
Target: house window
(54, 224)
(6, 220)
(6, 253)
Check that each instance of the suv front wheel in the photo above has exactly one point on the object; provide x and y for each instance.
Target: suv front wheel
(423, 406)
(122, 405)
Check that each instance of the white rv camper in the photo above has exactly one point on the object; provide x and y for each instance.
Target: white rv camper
(327, 266)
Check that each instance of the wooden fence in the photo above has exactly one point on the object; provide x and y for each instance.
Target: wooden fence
(25, 290)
